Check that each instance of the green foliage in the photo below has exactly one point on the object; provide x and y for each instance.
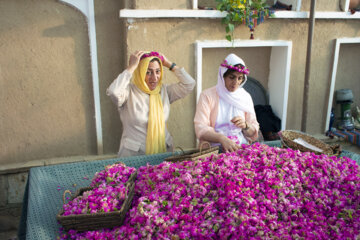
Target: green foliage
(240, 12)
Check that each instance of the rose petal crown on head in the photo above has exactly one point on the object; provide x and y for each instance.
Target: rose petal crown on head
(152, 54)
(241, 69)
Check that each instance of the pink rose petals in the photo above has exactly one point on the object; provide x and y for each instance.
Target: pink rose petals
(108, 193)
(258, 192)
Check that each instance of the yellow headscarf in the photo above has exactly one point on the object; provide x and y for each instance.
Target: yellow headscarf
(155, 138)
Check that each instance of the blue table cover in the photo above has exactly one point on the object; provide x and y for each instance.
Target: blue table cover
(43, 197)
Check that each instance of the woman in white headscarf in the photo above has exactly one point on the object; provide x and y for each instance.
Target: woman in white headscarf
(225, 113)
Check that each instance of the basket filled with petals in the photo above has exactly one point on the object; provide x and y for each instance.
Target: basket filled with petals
(195, 154)
(102, 205)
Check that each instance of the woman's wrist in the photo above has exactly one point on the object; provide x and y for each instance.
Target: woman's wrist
(247, 126)
(249, 130)
(222, 139)
(172, 66)
(167, 63)
(131, 69)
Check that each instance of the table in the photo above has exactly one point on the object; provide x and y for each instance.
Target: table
(43, 201)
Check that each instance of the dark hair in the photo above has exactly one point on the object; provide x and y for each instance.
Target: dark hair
(155, 59)
(229, 71)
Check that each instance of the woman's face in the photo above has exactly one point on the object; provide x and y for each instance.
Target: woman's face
(153, 75)
(233, 81)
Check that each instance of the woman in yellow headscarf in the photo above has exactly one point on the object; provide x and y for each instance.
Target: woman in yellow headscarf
(144, 102)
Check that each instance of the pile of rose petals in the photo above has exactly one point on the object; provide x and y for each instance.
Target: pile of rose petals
(107, 194)
(258, 192)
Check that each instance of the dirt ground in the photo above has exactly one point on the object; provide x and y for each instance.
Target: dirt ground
(9, 222)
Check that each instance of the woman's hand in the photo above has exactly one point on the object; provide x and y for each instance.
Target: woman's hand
(247, 128)
(134, 60)
(165, 62)
(239, 122)
(228, 144)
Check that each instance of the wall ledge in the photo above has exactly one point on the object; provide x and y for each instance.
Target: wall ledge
(195, 13)
(24, 167)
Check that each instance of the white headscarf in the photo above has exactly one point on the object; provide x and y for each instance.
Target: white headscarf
(240, 99)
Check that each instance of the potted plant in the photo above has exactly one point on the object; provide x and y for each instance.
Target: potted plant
(248, 12)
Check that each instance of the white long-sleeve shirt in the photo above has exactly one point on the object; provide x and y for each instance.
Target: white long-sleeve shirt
(133, 108)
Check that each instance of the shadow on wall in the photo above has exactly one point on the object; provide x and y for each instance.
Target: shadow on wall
(48, 103)
(82, 70)
(112, 60)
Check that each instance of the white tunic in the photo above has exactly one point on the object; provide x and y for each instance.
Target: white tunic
(223, 124)
(133, 108)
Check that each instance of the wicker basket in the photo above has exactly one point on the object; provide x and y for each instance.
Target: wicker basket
(288, 137)
(194, 154)
(94, 221)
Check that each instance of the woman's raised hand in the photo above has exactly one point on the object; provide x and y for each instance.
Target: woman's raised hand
(165, 62)
(239, 122)
(134, 60)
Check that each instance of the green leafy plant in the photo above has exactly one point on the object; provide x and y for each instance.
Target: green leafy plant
(248, 12)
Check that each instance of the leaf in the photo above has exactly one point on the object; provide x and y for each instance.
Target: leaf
(194, 201)
(237, 17)
(224, 21)
(228, 18)
(228, 37)
(221, 6)
(109, 180)
(216, 227)
(229, 28)
(151, 183)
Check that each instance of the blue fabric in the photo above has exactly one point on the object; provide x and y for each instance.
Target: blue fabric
(43, 200)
